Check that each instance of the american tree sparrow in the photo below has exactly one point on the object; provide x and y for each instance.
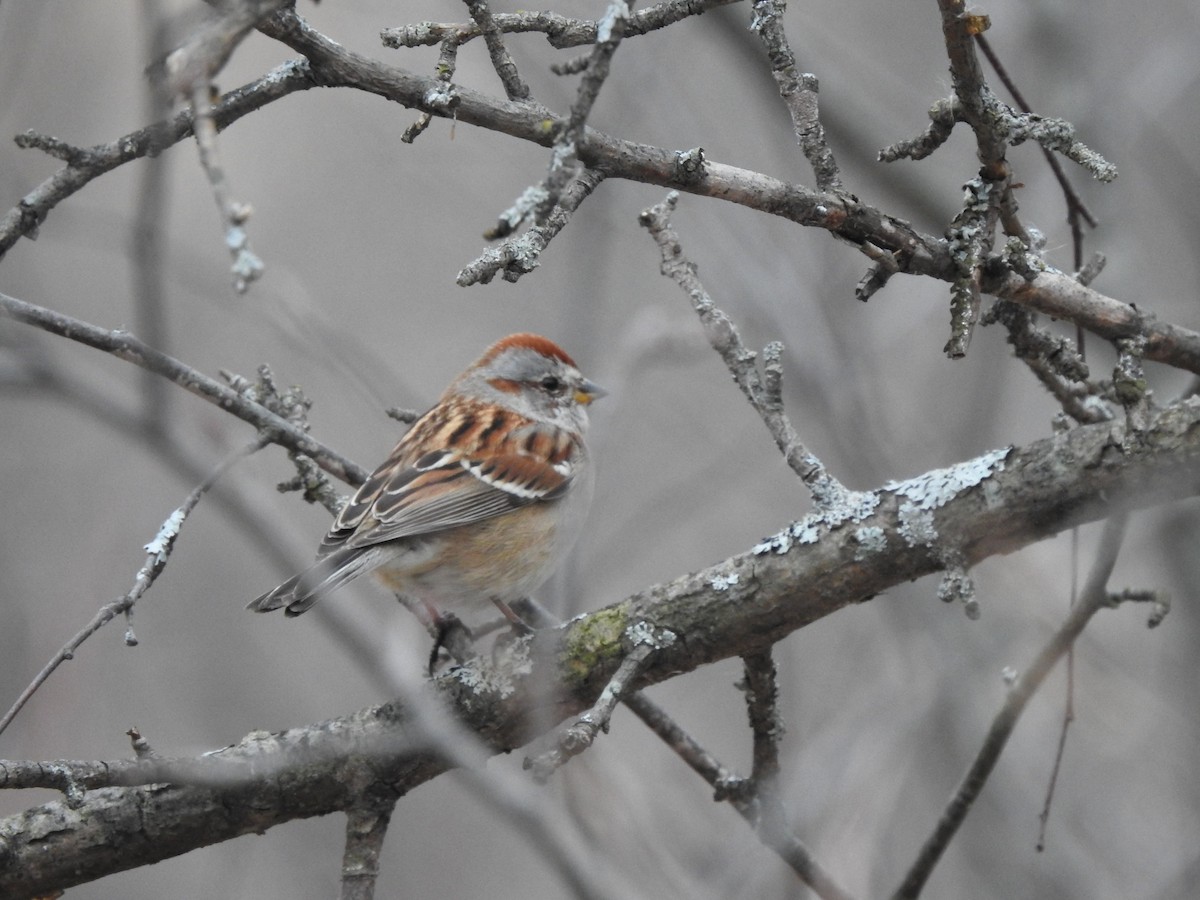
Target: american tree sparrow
(481, 499)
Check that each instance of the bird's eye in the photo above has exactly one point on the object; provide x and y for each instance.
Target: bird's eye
(552, 384)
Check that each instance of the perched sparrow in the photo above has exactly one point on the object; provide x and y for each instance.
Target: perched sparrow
(479, 501)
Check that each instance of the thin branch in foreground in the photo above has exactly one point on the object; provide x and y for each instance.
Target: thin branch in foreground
(1094, 598)
(764, 391)
(799, 92)
(189, 71)
(159, 551)
(247, 267)
(208, 46)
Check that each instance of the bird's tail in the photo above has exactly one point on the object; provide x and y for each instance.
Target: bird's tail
(300, 592)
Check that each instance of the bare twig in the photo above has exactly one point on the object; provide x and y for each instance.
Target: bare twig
(159, 551)
(731, 788)
(799, 92)
(762, 390)
(1094, 598)
(125, 346)
(519, 255)
(502, 62)
(577, 737)
(366, 827)
(970, 239)
(1075, 206)
(444, 72)
(146, 238)
(188, 72)
(943, 116)
(990, 197)
(1054, 360)
(1059, 751)
(570, 136)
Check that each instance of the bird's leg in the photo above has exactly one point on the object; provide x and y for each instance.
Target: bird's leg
(519, 625)
(447, 629)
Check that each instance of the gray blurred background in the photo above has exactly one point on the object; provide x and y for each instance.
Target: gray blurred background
(362, 237)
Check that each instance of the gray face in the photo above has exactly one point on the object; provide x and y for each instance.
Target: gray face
(540, 387)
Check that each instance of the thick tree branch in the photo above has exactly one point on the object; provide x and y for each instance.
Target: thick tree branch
(995, 504)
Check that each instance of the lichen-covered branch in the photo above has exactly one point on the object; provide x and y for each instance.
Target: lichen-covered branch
(514, 87)
(518, 256)
(561, 31)
(990, 506)
(799, 91)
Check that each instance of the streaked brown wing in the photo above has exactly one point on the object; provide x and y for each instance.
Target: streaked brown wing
(444, 489)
